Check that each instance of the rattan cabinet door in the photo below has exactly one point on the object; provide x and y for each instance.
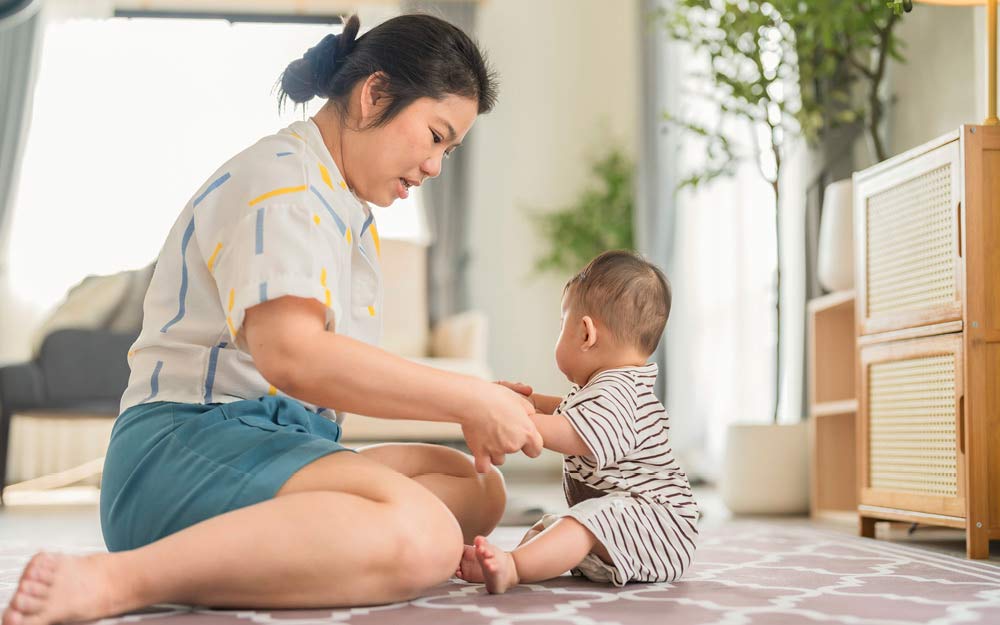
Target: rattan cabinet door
(910, 425)
(907, 241)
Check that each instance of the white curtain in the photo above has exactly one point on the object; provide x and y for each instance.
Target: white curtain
(718, 247)
(20, 44)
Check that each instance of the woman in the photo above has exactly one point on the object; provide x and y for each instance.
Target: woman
(219, 488)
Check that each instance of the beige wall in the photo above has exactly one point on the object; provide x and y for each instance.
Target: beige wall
(569, 73)
(941, 84)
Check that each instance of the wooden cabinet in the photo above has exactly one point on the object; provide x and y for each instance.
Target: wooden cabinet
(927, 245)
(909, 236)
(912, 455)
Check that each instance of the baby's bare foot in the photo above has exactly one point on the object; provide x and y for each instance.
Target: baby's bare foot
(469, 568)
(57, 588)
(498, 567)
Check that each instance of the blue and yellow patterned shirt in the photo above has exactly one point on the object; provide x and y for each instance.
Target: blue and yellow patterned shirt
(276, 220)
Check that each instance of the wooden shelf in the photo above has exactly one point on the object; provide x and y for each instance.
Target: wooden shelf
(844, 517)
(831, 300)
(844, 406)
(834, 468)
(833, 407)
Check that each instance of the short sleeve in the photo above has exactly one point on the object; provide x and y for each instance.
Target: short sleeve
(275, 250)
(603, 416)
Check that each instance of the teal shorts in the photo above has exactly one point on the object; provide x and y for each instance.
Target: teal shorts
(171, 465)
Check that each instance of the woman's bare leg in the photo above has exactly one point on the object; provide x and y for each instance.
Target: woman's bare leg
(361, 534)
(476, 500)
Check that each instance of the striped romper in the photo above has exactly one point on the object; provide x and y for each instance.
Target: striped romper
(629, 491)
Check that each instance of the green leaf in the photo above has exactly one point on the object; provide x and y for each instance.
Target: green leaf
(600, 219)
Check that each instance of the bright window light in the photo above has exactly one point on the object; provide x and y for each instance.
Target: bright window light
(130, 117)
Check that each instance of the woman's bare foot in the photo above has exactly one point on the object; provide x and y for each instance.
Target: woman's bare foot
(469, 568)
(498, 566)
(57, 588)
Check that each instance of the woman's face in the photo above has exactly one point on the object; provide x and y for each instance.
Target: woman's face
(384, 162)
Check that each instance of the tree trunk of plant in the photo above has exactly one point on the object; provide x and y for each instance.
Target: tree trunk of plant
(875, 83)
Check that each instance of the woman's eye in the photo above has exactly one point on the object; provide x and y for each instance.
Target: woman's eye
(437, 137)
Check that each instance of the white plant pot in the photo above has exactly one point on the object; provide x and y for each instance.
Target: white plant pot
(765, 469)
(835, 255)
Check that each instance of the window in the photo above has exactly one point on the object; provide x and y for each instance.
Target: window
(130, 118)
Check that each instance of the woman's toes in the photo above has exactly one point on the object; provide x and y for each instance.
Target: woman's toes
(34, 589)
(12, 617)
(26, 604)
(39, 573)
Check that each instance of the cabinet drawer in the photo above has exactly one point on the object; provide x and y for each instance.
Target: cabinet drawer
(910, 421)
(907, 225)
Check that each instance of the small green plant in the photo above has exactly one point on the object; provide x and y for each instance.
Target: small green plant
(599, 220)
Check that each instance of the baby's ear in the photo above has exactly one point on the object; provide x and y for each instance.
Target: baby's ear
(589, 333)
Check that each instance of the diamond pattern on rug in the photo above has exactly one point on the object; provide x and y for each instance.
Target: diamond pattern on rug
(745, 572)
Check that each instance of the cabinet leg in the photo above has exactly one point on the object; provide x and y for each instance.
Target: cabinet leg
(866, 526)
(977, 542)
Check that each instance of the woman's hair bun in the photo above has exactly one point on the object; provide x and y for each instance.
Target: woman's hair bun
(310, 76)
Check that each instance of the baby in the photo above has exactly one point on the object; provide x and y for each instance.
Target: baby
(632, 515)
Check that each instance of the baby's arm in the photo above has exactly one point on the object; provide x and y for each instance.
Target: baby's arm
(559, 435)
(545, 404)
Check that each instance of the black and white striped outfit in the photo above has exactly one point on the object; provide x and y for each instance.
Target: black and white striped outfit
(629, 491)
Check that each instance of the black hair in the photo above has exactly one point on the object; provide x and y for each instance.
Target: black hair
(627, 293)
(420, 56)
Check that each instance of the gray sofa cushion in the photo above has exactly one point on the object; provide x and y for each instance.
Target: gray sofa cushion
(80, 366)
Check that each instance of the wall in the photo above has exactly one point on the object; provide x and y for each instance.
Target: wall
(569, 85)
(942, 83)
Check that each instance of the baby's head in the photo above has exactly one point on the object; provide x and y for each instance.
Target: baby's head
(613, 314)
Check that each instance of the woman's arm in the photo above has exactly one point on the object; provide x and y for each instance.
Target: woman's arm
(559, 435)
(294, 352)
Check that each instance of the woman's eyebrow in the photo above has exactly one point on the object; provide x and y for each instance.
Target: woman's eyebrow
(452, 135)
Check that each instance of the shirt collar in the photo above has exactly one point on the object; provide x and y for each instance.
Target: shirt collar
(309, 132)
(643, 370)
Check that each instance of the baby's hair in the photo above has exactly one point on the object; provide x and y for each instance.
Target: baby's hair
(627, 293)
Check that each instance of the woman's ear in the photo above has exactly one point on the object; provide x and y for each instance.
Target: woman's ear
(589, 333)
(373, 98)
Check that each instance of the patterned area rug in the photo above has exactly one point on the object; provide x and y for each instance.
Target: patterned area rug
(746, 572)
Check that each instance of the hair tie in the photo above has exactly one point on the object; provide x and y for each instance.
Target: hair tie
(323, 58)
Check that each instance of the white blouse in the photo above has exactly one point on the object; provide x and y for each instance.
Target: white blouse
(275, 220)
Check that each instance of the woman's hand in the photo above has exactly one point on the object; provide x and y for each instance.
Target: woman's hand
(499, 424)
(521, 389)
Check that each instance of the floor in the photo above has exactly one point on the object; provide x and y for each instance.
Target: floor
(758, 571)
(71, 518)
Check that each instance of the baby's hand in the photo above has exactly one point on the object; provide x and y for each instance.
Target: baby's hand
(521, 388)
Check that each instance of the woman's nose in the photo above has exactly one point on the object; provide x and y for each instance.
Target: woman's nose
(432, 167)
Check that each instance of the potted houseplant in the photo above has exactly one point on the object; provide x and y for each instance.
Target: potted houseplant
(786, 69)
(599, 219)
